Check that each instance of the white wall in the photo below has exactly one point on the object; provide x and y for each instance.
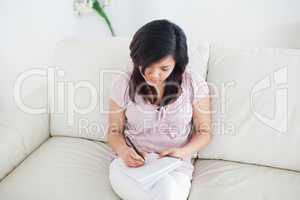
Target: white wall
(259, 23)
(30, 29)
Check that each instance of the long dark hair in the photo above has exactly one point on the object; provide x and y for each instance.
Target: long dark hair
(153, 41)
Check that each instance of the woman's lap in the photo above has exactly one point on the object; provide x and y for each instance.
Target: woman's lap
(125, 187)
(174, 185)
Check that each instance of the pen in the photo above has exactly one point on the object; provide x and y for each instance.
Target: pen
(137, 151)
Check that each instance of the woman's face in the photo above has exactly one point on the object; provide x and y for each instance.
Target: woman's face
(159, 71)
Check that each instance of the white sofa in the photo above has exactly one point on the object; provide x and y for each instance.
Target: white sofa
(61, 153)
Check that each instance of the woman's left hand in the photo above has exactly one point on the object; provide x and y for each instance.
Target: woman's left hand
(175, 152)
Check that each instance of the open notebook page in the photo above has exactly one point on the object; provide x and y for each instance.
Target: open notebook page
(153, 169)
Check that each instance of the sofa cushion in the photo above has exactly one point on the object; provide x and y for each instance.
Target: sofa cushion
(255, 106)
(62, 168)
(87, 66)
(84, 71)
(216, 179)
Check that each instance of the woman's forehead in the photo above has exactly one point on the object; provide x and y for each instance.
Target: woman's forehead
(165, 61)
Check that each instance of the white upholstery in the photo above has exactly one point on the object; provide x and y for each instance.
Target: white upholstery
(83, 62)
(12, 150)
(216, 179)
(62, 168)
(256, 120)
(73, 163)
(22, 132)
(74, 168)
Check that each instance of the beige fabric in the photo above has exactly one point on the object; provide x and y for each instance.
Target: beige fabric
(12, 150)
(255, 105)
(62, 168)
(73, 168)
(22, 132)
(215, 179)
(83, 112)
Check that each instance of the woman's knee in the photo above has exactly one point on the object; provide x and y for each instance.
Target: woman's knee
(165, 189)
(170, 188)
(114, 172)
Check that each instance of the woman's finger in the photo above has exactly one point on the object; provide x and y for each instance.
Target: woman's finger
(135, 163)
(145, 154)
(136, 156)
(165, 152)
(131, 162)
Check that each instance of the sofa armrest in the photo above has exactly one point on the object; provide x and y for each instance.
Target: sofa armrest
(19, 140)
(21, 133)
(12, 150)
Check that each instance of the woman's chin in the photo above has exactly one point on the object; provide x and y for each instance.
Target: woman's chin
(156, 85)
(153, 83)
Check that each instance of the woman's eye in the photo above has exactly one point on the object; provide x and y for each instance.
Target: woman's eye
(165, 69)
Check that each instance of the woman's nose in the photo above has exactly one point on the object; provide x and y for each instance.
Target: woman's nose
(155, 74)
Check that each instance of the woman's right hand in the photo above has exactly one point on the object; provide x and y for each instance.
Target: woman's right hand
(131, 158)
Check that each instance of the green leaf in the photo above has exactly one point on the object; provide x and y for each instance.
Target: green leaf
(99, 9)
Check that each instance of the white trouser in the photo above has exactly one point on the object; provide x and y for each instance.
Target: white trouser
(173, 186)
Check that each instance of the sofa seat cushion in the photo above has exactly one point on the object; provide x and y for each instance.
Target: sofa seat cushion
(218, 179)
(62, 168)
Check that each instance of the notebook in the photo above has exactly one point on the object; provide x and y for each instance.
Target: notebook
(153, 169)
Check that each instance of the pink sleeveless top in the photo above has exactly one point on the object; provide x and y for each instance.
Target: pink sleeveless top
(152, 129)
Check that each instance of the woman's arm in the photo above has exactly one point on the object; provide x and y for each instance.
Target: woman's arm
(201, 130)
(116, 122)
(116, 139)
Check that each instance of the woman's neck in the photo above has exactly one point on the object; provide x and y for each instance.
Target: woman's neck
(160, 92)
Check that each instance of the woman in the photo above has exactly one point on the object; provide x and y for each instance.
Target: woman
(162, 107)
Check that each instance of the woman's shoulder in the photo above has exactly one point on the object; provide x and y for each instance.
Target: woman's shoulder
(122, 76)
(119, 90)
(191, 79)
(196, 83)
(192, 76)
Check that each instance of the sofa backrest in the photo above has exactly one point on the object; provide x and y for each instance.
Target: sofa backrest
(255, 106)
(87, 68)
(79, 110)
